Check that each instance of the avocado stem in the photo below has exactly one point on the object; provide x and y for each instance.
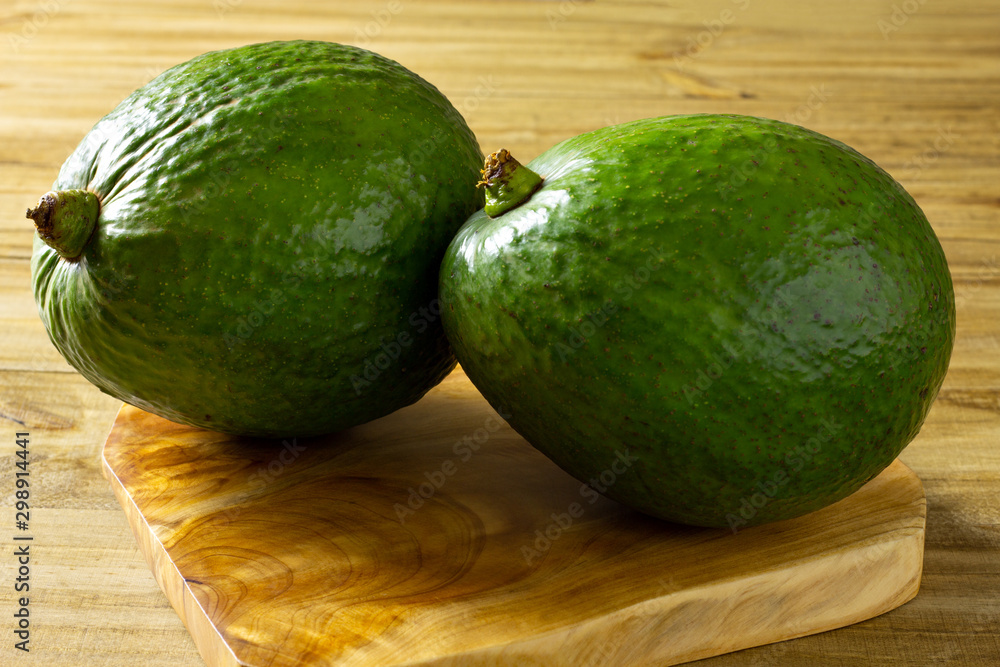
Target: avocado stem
(508, 183)
(66, 219)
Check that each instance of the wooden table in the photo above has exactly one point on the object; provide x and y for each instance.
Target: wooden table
(914, 85)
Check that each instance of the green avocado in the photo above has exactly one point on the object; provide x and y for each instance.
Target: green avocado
(250, 242)
(716, 320)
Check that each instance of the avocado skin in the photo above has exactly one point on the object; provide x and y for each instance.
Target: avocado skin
(272, 222)
(754, 316)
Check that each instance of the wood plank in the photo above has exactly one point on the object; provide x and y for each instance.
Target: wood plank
(438, 536)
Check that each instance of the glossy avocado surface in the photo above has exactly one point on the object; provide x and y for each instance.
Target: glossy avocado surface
(754, 316)
(271, 223)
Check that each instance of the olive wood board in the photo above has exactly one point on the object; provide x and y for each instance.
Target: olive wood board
(438, 536)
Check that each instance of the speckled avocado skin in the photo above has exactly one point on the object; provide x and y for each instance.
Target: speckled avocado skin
(272, 222)
(734, 319)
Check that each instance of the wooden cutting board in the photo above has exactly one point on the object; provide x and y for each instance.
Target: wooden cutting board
(437, 536)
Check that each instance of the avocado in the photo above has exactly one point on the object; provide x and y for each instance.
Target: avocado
(250, 242)
(716, 320)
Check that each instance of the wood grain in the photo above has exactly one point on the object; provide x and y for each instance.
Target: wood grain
(438, 536)
(568, 66)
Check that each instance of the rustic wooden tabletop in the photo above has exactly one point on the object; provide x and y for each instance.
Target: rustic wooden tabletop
(914, 85)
